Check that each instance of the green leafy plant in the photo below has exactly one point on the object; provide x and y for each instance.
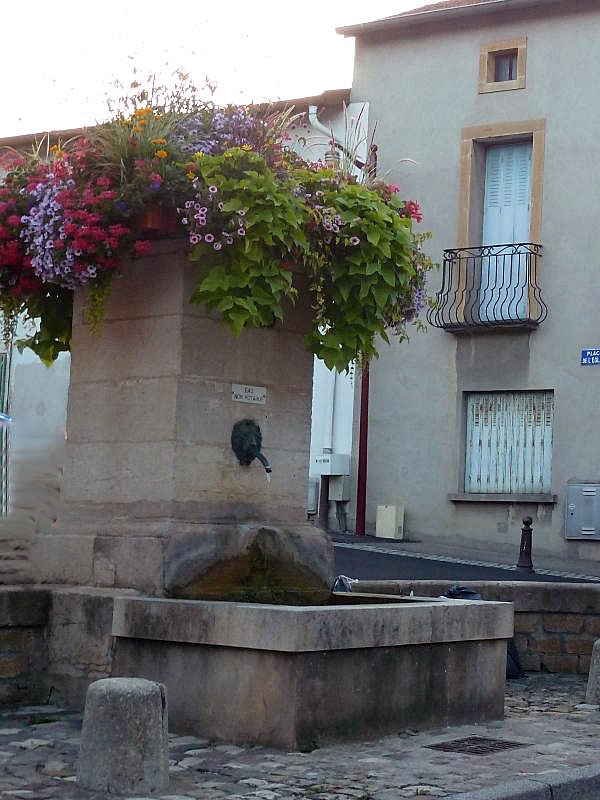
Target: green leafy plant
(250, 225)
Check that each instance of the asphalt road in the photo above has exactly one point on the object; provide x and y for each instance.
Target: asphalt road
(369, 565)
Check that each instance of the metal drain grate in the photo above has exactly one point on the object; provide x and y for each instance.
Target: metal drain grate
(475, 746)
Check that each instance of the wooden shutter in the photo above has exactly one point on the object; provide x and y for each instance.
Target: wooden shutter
(507, 198)
(504, 292)
(509, 442)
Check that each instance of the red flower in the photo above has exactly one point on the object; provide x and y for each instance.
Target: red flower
(413, 210)
(14, 220)
(142, 247)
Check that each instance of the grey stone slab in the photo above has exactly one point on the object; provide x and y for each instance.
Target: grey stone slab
(309, 628)
(576, 784)
(516, 790)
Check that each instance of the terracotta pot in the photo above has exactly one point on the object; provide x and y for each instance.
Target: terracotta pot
(158, 221)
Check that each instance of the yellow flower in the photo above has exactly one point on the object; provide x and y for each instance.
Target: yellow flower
(228, 154)
(246, 147)
(56, 150)
(199, 154)
(190, 175)
(159, 141)
(161, 154)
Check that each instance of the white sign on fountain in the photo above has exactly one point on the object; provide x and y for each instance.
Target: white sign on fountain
(241, 393)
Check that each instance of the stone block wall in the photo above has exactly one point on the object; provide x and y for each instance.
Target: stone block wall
(54, 643)
(556, 642)
(556, 624)
(23, 644)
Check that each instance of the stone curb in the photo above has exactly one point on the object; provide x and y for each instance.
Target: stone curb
(581, 783)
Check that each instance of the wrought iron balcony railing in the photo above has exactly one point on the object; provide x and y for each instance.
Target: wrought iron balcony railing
(490, 287)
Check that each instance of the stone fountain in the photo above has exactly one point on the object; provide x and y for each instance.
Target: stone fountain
(231, 605)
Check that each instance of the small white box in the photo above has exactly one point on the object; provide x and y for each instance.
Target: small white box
(332, 464)
(390, 522)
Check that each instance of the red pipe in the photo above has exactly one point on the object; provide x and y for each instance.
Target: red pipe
(363, 438)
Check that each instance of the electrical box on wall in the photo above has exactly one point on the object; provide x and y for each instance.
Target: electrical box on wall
(332, 464)
(339, 488)
(582, 510)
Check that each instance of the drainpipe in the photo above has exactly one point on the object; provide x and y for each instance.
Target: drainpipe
(363, 432)
(363, 440)
(363, 436)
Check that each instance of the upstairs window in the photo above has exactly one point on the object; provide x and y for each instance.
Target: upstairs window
(502, 66)
(505, 66)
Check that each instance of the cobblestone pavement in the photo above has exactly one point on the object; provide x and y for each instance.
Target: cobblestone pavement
(39, 746)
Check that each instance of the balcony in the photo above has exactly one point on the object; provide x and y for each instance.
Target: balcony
(489, 287)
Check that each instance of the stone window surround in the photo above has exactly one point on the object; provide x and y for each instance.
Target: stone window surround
(500, 133)
(486, 65)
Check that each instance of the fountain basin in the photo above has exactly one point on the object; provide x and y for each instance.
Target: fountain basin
(298, 676)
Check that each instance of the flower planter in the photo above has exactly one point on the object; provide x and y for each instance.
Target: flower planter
(158, 221)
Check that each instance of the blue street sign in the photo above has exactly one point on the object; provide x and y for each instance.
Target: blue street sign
(591, 357)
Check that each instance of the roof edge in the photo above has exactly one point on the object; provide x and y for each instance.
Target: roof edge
(422, 17)
(329, 97)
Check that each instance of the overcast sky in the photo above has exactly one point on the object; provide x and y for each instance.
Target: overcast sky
(57, 60)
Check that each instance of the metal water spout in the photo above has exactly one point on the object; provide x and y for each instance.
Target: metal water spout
(246, 442)
(264, 462)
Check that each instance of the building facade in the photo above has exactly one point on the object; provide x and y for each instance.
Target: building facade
(492, 414)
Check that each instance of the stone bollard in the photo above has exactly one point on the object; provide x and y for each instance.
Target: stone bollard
(592, 696)
(124, 741)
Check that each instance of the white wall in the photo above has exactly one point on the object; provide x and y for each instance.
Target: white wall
(36, 441)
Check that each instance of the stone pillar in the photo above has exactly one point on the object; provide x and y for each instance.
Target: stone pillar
(124, 740)
(149, 459)
(593, 686)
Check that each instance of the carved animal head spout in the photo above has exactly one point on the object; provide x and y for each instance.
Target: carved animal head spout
(246, 442)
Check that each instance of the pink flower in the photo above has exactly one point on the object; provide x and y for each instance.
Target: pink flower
(393, 188)
(413, 210)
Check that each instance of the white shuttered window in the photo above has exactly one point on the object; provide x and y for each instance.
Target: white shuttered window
(509, 442)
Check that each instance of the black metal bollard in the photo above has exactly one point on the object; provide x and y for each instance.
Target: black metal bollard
(525, 564)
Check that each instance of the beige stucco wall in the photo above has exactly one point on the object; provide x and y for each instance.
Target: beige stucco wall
(423, 90)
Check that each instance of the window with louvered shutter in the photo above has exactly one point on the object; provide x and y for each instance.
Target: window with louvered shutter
(509, 442)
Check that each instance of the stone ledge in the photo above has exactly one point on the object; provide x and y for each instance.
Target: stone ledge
(533, 596)
(23, 607)
(582, 783)
(296, 629)
(521, 499)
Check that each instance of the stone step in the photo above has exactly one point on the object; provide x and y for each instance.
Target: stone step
(14, 565)
(16, 543)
